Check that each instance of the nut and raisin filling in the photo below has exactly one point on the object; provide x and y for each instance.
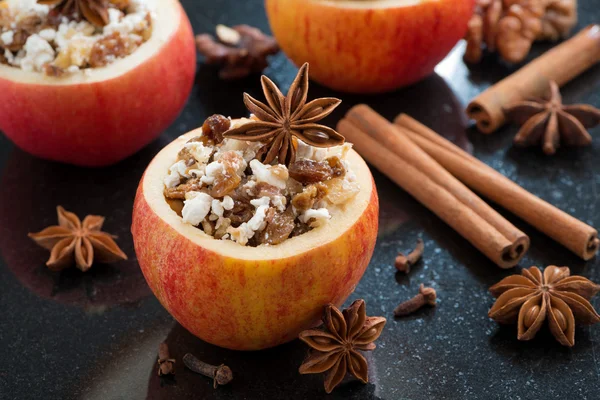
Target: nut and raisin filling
(50, 39)
(219, 186)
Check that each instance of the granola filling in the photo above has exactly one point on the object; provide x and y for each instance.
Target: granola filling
(35, 37)
(219, 186)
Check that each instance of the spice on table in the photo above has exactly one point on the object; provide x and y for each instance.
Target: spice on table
(551, 123)
(336, 344)
(508, 27)
(532, 297)
(389, 149)
(404, 263)
(572, 233)
(426, 296)
(166, 364)
(75, 242)
(221, 374)
(560, 64)
(287, 118)
(239, 51)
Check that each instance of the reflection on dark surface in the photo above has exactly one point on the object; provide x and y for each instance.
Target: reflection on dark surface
(34, 188)
(273, 371)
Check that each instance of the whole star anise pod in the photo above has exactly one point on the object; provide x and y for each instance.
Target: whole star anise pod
(551, 123)
(532, 297)
(94, 11)
(336, 345)
(73, 241)
(286, 117)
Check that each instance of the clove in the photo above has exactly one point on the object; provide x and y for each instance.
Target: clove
(220, 374)
(403, 263)
(166, 365)
(426, 296)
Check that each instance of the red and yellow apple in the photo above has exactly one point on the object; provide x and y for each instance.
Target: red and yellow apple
(249, 298)
(103, 115)
(372, 46)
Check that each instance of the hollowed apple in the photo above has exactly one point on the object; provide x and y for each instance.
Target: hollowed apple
(368, 46)
(103, 115)
(250, 298)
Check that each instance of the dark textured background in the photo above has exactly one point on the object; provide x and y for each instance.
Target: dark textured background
(95, 335)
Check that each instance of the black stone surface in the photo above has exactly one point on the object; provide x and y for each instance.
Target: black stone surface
(95, 335)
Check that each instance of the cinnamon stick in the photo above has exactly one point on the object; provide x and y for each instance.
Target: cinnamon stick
(418, 174)
(572, 233)
(561, 64)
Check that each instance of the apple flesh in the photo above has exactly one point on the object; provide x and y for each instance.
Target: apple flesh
(103, 115)
(368, 46)
(249, 298)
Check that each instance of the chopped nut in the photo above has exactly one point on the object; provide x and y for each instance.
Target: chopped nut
(108, 48)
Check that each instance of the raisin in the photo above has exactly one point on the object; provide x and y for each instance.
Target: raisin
(336, 166)
(225, 183)
(309, 171)
(214, 127)
(113, 45)
(279, 227)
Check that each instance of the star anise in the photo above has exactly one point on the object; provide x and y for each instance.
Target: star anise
(286, 118)
(336, 344)
(531, 297)
(94, 11)
(73, 241)
(550, 122)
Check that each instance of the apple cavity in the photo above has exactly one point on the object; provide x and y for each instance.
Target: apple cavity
(100, 116)
(243, 297)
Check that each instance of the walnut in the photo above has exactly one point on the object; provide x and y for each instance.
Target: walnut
(510, 27)
(239, 51)
(518, 28)
(559, 19)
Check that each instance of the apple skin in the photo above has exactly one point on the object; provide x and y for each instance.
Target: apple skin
(249, 304)
(101, 123)
(362, 50)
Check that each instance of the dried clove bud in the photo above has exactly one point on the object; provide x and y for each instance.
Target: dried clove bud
(425, 296)
(239, 51)
(166, 365)
(404, 263)
(221, 374)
